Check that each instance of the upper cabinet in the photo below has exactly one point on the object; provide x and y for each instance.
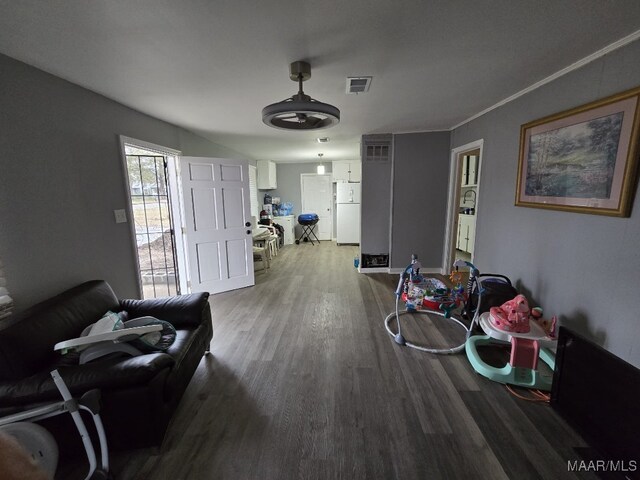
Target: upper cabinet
(267, 175)
(470, 170)
(346, 171)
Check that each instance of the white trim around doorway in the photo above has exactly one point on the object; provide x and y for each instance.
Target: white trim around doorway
(453, 197)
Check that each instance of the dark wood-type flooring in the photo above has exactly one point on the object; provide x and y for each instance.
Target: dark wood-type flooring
(304, 382)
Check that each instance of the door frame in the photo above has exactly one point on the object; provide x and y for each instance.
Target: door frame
(331, 197)
(175, 194)
(453, 202)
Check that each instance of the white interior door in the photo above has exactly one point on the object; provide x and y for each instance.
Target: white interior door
(218, 226)
(317, 197)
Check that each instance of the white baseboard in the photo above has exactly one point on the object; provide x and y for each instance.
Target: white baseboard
(373, 270)
(396, 271)
(422, 270)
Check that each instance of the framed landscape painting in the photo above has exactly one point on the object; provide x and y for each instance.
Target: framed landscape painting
(582, 160)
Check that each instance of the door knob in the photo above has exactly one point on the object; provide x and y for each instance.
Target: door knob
(248, 224)
(248, 232)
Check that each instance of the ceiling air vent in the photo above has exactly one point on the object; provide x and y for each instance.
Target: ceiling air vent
(358, 84)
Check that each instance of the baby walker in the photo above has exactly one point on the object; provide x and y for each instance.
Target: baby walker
(424, 295)
(41, 445)
(512, 322)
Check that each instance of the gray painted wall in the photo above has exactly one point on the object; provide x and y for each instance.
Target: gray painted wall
(61, 177)
(581, 267)
(289, 188)
(407, 198)
(420, 184)
(288, 178)
(375, 206)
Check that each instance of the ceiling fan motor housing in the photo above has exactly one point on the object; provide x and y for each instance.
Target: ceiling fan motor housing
(299, 68)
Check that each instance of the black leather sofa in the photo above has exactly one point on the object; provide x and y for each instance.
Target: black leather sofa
(139, 394)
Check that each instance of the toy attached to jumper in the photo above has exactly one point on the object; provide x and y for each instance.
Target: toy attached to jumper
(419, 292)
(514, 322)
(426, 295)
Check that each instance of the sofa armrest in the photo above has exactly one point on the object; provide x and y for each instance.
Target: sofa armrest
(109, 374)
(181, 310)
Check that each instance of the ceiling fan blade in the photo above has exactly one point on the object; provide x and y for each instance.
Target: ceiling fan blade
(312, 121)
(294, 117)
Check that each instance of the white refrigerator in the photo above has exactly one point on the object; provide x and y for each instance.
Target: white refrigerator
(348, 213)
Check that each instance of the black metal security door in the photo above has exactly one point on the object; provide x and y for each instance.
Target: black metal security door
(155, 235)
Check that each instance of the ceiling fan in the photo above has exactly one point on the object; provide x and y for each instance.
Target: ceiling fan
(300, 112)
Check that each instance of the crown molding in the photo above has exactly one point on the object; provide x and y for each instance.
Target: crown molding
(574, 66)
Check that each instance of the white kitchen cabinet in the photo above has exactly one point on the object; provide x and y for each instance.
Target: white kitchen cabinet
(469, 170)
(466, 233)
(346, 171)
(340, 171)
(288, 223)
(267, 175)
(355, 173)
(471, 234)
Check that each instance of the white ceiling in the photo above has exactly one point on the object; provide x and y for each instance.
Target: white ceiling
(211, 66)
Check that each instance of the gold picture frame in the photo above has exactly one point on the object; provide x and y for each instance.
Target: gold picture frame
(582, 160)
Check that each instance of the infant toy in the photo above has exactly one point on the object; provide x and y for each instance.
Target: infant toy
(511, 316)
(514, 316)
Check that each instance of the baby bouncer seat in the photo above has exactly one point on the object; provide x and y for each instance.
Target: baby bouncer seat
(505, 318)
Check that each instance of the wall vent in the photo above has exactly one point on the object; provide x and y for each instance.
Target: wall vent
(358, 84)
(377, 148)
(376, 153)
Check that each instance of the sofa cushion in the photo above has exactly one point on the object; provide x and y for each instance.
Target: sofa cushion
(26, 346)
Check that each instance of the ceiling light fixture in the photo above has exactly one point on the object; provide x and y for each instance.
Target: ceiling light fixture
(300, 112)
(320, 168)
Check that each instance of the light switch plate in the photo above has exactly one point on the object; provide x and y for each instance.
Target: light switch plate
(121, 216)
